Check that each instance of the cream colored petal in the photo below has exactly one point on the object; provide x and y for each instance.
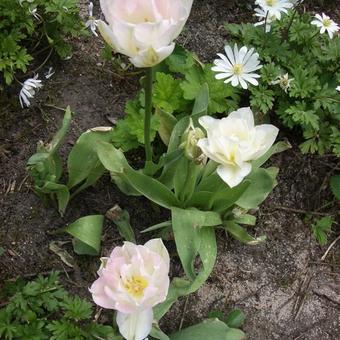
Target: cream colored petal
(233, 175)
(157, 246)
(136, 326)
(244, 113)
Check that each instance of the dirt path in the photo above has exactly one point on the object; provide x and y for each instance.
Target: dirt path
(283, 287)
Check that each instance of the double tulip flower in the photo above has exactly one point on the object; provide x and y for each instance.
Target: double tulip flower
(144, 30)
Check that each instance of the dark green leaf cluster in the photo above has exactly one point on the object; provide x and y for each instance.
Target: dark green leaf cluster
(42, 309)
(27, 28)
(311, 103)
(321, 228)
(178, 81)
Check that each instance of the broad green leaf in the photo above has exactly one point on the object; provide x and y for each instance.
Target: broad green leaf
(87, 233)
(150, 188)
(235, 319)
(276, 148)
(227, 197)
(111, 158)
(241, 235)
(177, 132)
(201, 102)
(199, 199)
(335, 186)
(166, 124)
(189, 235)
(211, 329)
(181, 175)
(263, 182)
(245, 219)
(83, 161)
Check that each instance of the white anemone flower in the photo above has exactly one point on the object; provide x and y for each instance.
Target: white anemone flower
(284, 82)
(338, 88)
(28, 90)
(234, 142)
(238, 66)
(264, 18)
(325, 23)
(92, 22)
(275, 7)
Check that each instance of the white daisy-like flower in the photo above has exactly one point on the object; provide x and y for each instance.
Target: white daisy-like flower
(338, 88)
(264, 18)
(284, 82)
(92, 22)
(325, 23)
(238, 66)
(35, 14)
(28, 90)
(275, 7)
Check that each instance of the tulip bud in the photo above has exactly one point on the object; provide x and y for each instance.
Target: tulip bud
(189, 143)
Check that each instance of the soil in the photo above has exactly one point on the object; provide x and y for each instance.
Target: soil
(283, 286)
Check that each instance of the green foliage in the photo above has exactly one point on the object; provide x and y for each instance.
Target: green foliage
(22, 35)
(178, 82)
(312, 60)
(42, 309)
(335, 186)
(321, 228)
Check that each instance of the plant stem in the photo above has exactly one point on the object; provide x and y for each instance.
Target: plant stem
(286, 33)
(148, 113)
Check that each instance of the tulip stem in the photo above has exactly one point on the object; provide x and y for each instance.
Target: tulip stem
(148, 113)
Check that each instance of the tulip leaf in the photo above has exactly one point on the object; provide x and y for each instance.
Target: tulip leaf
(262, 183)
(87, 234)
(166, 124)
(235, 318)
(177, 133)
(157, 226)
(121, 219)
(156, 333)
(201, 102)
(60, 135)
(199, 199)
(227, 197)
(83, 162)
(276, 148)
(181, 174)
(191, 237)
(112, 159)
(241, 235)
(150, 188)
(213, 329)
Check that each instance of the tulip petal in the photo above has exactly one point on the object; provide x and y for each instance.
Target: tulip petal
(233, 175)
(156, 245)
(135, 326)
(108, 35)
(244, 113)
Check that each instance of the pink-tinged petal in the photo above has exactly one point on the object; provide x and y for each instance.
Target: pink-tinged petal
(151, 57)
(136, 326)
(99, 296)
(158, 247)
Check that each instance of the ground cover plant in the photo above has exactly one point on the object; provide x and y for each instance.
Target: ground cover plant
(202, 171)
(30, 28)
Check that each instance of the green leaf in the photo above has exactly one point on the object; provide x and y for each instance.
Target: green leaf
(61, 134)
(157, 333)
(167, 94)
(83, 162)
(235, 319)
(201, 101)
(276, 148)
(335, 186)
(121, 219)
(180, 60)
(241, 235)
(321, 228)
(209, 329)
(111, 158)
(263, 182)
(189, 236)
(166, 124)
(60, 191)
(87, 233)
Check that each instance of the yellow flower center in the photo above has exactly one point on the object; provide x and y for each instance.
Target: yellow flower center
(271, 2)
(136, 285)
(238, 68)
(327, 22)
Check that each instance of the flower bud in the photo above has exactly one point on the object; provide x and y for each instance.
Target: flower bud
(189, 143)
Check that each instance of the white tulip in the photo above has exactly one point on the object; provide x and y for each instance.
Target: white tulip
(234, 142)
(144, 30)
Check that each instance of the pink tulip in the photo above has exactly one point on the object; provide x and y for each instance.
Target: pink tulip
(144, 30)
(133, 280)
